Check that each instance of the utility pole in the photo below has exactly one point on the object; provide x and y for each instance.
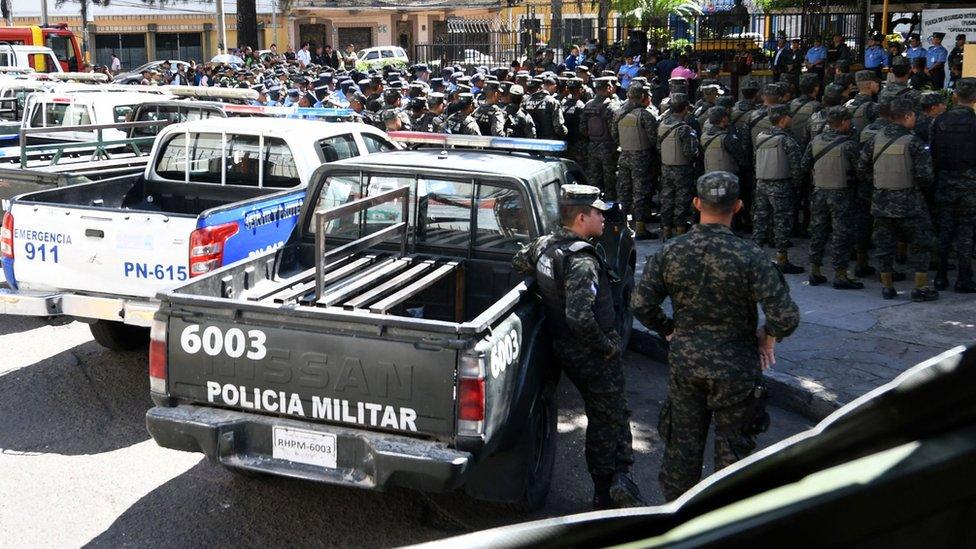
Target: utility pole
(221, 28)
(44, 12)
(274, 22)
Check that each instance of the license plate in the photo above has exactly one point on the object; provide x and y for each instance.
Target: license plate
(303, 446)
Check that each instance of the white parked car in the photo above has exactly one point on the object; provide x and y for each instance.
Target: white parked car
(382, 55)
(38, 58)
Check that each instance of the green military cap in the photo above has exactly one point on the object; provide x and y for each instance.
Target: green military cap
(716, 114)
(575, 194)
(838, 114)
(636, 91)
(726, 101)
(931, 98)
(866, 76)
(718, 188)
(750, 84)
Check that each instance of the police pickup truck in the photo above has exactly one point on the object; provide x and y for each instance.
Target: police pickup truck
(216, 191)
(349, 358)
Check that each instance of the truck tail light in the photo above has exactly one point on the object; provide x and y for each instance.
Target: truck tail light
(7, 236)
(207, 247)
(157, 357)
(471, 396)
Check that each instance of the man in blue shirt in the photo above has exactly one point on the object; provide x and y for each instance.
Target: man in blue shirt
(915, 49)
(935, 59)
(875, 57)
(816, 57)
(627, 71)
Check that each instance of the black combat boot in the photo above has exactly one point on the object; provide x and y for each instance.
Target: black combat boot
(887, 290)
(921, 291)
(941, 281)
(785, 267)
(601, 492)
(624, 492)
(842, 282)
(816, 276)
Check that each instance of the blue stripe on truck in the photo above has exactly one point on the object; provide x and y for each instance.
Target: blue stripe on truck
(261, 226)
(8, 272)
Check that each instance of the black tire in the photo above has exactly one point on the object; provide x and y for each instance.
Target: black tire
(625, 318)
(539, 443)
(119, 337)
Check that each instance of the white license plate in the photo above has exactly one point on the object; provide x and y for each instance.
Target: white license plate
(303, 446)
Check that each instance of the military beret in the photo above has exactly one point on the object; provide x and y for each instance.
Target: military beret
(866, 76)
(718, 188)
(575, 194)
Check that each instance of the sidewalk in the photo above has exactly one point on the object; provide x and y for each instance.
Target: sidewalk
(848, 342)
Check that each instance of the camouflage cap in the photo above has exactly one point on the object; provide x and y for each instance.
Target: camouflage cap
(636, 91)
(966, 86)
(575, 194)
(750, 84)
(516, 90)
(866, 76)
(716, 114)
(718, 188)
(931, 98)
(389, 114)
(773, 90)
(838, 114)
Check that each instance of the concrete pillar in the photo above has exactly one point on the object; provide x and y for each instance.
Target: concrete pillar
(208, 42)
(151, 41)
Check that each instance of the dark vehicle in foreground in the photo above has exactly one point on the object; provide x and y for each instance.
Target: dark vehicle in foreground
(351, 359)
(895, 468)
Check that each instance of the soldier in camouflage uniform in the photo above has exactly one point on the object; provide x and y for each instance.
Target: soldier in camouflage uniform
(518, 123)
(721, 145)
(595, 124)
(717, 354)
(898, 87)
(576, 290)
(932, 104)
(432, 120)
(572, 110)
(862, 106)
(833, 97)
(738, 120)
(545, 109)
(635, 128)
(709, 97)
(778, 177)
(831, 159)
(461, 122)
(583, 73)
(801, 110)
(677, 139)
(901, 168)
(489, 115)
(677, 84)
(392, 115)
(954, 151)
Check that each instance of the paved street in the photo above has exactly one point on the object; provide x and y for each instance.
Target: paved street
(78, 466)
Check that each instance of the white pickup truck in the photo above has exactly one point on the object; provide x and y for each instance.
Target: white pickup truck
(215, 191)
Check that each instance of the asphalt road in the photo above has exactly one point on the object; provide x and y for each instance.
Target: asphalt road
(77, 465)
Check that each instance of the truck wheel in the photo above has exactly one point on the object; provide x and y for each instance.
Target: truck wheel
(540, 439)
(119, 337)
(625, 319)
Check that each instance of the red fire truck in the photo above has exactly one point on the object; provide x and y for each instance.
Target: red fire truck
(57, 37)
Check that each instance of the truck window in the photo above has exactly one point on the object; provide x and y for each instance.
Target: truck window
(388, 54)
(502, 220)
(444, 213)
(339, 147)
(63, 48)
(280, 169)
(549, 200)
(375, 144)
(243, 160)
(121, 113)
(47, 115)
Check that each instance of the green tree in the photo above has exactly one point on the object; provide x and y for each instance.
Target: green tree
(650, 14)
(84, 4)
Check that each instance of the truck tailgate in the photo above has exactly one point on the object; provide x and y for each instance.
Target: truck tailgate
(374, 382)
(99, 250)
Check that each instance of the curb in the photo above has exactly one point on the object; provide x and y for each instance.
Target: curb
(806, 398)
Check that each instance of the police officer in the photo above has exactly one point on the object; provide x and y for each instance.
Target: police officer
(831, 158)
(489, 115)
(935, 60)
(953, 151)
(914, 49)
(545, 109)
(901, 168)
(875, 56)
(635, 128)
(432, 120)
(717, 354)
(518, 122)
(392, 99)
(595, 124)
(572, 107)
(778, 177)
(677, 139)
(461, 122)
(575, 283)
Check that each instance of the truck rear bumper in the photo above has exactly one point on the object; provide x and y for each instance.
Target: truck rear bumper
(365, 459)
(30, 303)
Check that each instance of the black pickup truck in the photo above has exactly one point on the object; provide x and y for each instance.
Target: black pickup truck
(390, 342)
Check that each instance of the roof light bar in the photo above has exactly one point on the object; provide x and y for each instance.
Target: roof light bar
(78, 76)
(485, 141)
(206, 92)
(14, 68)
(308, 112)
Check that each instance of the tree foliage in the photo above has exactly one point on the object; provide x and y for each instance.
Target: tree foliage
(648, 14)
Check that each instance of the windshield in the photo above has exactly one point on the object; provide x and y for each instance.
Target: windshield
(45, 115)
(240, 161)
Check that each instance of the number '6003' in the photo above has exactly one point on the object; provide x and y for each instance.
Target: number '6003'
(234, 343)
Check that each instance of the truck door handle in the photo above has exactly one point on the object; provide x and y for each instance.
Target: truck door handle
(95, 233)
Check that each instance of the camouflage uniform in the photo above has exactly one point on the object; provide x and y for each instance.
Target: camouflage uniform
(490, 119)
(519, 123)
(897, 90)
(582, 350)
(601, 150)
(864, 110)
(462, 124)
(774, 197)
(900, 215)
(634, 164)
(831, 209)
(956, 190)
(714, 280)
(405, 122)
(739, 119)
(429, 122)
(863, 222)
(575, 141)
(546, 112)
(678, 181)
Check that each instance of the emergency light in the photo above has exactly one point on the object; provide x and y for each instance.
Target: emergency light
(289, 111)
(78, 76)
(484, 141)
(204, 92)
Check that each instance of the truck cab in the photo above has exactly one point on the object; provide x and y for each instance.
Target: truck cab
(38, 58)
(80, 107)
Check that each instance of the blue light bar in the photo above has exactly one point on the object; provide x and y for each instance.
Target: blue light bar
(324, 111)
(483, 141)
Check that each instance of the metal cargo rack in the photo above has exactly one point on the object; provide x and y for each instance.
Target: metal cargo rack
(353, 279)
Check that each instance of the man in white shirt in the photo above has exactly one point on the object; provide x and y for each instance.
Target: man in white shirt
(303, 55)
(116, 64)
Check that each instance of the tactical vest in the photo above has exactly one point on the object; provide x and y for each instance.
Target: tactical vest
(516, 124)
(541, 113)
(632, 136)
(596, 125)
(759, 126)
(483, 118)
(551, 275)
(571, 115)
(954, 140)
(859, 114)
(831, 169)
(716, 158)
(817, 124)
(801, 119)
(772, 162)
(893, 166)
(868, 132)
(672, 154)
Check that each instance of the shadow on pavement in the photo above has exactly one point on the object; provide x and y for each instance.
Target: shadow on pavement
(85, 400)
(10, 324)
